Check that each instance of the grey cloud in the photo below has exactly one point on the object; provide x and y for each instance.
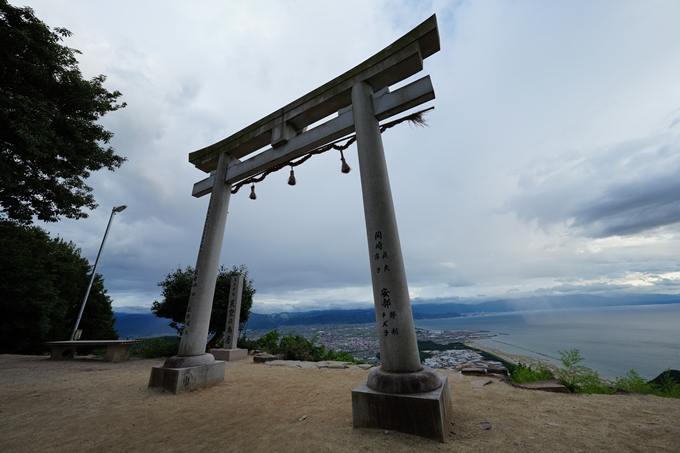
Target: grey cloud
(459, 282)
(633, 208)
(628, 189)
(588, 288)
(607, 288)
(187, 91)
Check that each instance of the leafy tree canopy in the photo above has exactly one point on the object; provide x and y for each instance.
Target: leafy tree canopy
(42, 284)
(177, 289)
(49, 138)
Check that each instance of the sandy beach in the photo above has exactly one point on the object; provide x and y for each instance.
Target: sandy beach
(513, 358)
(88, 405)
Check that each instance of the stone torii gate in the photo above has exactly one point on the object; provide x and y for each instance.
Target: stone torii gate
(400, 394)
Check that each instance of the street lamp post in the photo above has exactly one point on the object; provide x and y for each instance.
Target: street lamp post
(115, 210)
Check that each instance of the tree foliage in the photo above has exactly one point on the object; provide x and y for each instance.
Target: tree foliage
(49, 138)
(580, 378)
(177, 289)
(295, 347)
(522, 373)
(42, 285)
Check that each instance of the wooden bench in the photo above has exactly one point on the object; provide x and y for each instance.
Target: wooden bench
(116, 350)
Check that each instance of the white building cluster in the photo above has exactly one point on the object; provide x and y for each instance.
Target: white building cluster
(456, 359)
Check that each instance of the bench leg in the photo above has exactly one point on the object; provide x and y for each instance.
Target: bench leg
(117, 352)
(63, 352)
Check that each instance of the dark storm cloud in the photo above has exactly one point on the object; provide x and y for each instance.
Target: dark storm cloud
(633, 208)
(628, 189)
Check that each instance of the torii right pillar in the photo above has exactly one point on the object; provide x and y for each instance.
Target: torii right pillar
(401, 395)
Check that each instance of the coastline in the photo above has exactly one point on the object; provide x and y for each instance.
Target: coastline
(513, 358)
(612, 340)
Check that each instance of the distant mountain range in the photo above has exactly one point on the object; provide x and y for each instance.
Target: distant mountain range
(142, 325)
(272, 321)
(539, 303)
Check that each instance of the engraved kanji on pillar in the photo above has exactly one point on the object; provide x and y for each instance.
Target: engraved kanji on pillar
(233, 312)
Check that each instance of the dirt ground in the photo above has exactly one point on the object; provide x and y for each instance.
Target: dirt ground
(87, 405)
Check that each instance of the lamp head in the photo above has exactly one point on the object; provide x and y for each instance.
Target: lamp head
(119, 208)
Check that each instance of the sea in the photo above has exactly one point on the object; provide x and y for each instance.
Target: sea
(612, 340)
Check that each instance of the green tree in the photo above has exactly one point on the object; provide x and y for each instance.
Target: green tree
(49, 138)
(42, 284)
(177, 289)
(580, 378)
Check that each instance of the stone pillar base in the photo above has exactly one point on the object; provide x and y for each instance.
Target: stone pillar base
(118, 353)
(178, 380)
(426, 414)
(229, 355)
(63, 352)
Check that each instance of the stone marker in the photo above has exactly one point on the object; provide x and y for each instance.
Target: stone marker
(230, 350)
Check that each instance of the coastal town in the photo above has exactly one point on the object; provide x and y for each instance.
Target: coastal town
(361, 341)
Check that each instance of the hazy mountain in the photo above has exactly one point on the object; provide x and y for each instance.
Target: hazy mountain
(141, 325)
(538, 303)
(137, 325)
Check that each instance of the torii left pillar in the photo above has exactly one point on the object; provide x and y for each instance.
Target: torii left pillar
(192, 367)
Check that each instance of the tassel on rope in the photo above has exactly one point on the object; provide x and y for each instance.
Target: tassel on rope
(291, 178)
(416, 118)
(345, 168)
(252, 192)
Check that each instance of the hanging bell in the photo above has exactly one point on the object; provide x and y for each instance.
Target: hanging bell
(252, 192)
(291, 178)
(345, 168)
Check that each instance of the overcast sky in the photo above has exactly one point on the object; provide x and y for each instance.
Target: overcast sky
(551, 163)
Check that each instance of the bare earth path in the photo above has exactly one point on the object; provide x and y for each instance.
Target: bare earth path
(93, 406)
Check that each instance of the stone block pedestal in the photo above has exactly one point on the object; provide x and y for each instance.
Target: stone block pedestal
(426, 414)
(63, 352)
(229, 355)
(119, 353)
(178, 380)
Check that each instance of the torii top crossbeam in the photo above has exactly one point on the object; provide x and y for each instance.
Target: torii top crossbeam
(285, 129)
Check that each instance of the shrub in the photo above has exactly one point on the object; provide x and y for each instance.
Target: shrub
(580, 378)
(340, 356)
(299, 348)
(666, 387)
(530, 373)
(669, 388)
(295, 347)
(268, 342)
(156, 347)
(633, 382)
